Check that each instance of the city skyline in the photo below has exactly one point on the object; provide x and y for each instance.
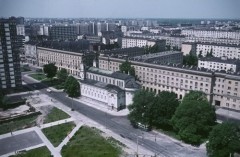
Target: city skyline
(199, 9)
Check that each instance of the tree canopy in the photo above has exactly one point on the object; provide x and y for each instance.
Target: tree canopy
(126, 67)
(50, 70)
(72, 87)
(224, 140)
(154, 110)
(194, 118)
(163, 109)
(62, 74)
(190, 60)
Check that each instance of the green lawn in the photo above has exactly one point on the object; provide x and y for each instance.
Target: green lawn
(56, 134)
(38, 76)
(17, 124)
(51, 83)
(55, 115)
(38, 152)
(87, 142)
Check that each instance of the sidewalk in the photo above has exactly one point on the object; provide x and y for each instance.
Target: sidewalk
(228, 113)
(57, 123)
(102, 107)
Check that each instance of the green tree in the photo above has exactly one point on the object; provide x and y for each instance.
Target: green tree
(62, 74)
(200, 54)
(163, 109)
(2, 102)
(190, 60)
(72, 87)
(126, 68)
(140, 110)
(50, 70)
(224, 140)
(194, 118)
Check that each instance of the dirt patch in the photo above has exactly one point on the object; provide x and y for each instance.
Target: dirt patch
(45, 110)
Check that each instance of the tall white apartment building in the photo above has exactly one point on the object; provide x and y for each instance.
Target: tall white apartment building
(217, 64)
(211, 34)
(141, 42)
(219, 50)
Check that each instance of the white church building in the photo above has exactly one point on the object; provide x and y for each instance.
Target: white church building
(114, 89)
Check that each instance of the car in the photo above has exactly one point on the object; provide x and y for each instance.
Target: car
(49, 90)
(141, 126)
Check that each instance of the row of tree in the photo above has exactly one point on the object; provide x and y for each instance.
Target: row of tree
(71, 84)
(193, 120)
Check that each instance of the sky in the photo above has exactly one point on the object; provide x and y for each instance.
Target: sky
(121, 8)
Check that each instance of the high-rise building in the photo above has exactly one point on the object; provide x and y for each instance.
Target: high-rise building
(10, 74)
(63, 32)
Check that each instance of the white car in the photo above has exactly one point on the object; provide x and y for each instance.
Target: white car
(49, 90)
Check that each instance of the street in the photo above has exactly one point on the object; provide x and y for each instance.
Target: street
(122, 126)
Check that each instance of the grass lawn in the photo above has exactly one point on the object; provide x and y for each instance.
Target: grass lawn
(38, 76)
(17, 124)
(55, 115)
(38, 152)
(88, 142)
(56, 134)
(51, 83)
(54, 83)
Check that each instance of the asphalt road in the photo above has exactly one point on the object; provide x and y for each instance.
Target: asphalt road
(121, 126)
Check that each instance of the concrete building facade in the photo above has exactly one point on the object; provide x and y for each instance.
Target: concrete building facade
(182, 79)
(10, 74)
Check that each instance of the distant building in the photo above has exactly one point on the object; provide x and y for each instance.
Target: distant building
(219, 50)
(189, 48)
(130, 52)
(211, 34)
(166, 57)
(20, 30)
(142, 42)
(31, 53)
(218, 64)
(63, 32)
(10, 74)
(93, 39)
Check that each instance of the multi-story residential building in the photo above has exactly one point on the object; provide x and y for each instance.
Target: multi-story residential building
(63, 32)
(10, 74)
(142, 42)
(181, 79)
(20, 30)
(130, 52)
(219, 50)
(211, 34)
(226, 90)
(213, 40)
(93, 39)
(165, 57)
(64, 55)
(83, 28)
(217, 64)
(172, 41)
(30, 54)
(189, 48)
(114, 89)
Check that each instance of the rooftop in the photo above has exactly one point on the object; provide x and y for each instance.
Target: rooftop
(73, 46)
(155, 55)
(220, 60)
(117, 75)
(102, 85)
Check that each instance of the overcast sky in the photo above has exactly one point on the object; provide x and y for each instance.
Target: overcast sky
(122, 8)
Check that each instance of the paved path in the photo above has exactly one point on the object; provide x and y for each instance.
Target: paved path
(56, 123)
(65, 141)
(19, 141)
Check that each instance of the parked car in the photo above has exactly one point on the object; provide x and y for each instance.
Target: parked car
(141, 126)
(49, 90)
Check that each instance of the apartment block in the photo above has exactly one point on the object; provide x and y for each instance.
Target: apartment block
(10, 74)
